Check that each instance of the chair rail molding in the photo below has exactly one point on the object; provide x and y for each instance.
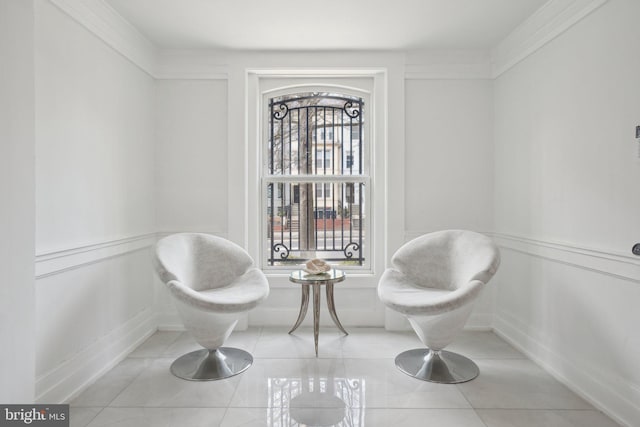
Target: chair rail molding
(54, 262)
(618, 265)
(219, 233)
(551, 20)
(59, 261)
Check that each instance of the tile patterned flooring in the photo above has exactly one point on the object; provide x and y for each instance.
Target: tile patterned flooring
(353, 383)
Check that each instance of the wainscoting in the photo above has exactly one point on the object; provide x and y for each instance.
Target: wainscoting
(94, 306)
(569, 310)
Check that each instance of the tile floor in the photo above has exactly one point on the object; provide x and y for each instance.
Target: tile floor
(353, 383)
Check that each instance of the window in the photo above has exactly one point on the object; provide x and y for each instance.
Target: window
(326, 213)
(326, 134)
(349, 159)
(323, 159)
(349, 192)
(325, 193)
(355, 132)
(296, 194)
(314, 156)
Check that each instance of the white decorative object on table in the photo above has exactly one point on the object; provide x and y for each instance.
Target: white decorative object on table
(316, 266)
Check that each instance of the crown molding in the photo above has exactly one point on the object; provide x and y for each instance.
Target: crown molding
(108, 25)
(547, 23)
(552, 19)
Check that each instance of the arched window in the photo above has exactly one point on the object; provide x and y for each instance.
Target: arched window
(316, 179)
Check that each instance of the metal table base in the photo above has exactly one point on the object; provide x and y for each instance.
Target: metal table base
(315, 282)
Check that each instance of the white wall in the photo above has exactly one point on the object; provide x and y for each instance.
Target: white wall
(94, 204)
(564, 175)
(448, 163)
(448, 155)
(199, 121)
(17, 194)
(194, 183)
(567, 207)
(191, 166)
(191, 156)
(95, 121)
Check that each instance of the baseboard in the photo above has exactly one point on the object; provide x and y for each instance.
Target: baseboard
(170, 321)
(590, 384)
(479, 322)
(74, 375)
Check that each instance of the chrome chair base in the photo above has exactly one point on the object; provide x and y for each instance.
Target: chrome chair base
(441, 366)
(209, 365)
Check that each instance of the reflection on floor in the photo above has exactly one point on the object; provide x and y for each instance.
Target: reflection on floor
(353, 383)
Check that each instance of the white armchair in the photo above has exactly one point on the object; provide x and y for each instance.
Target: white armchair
(213, 283)
(434, 282)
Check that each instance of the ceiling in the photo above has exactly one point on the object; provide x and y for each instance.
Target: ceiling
(327, 24)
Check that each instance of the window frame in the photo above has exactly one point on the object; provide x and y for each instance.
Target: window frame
(364, 178)
(248, 85)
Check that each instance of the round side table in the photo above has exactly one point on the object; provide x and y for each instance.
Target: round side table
(307, 281)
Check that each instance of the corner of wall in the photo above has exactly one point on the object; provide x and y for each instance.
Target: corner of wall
(547, 23)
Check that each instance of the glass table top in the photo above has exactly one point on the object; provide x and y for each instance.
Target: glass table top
(301, 276)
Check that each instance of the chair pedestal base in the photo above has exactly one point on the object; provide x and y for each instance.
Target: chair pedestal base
(437, 366)
(209, 365)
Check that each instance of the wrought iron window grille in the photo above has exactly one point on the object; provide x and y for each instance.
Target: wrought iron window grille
(315, 158)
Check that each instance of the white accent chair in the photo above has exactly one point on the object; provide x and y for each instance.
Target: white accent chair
(434, 282)
(213, 283)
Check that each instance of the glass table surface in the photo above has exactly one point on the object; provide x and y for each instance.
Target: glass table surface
(301, 276)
